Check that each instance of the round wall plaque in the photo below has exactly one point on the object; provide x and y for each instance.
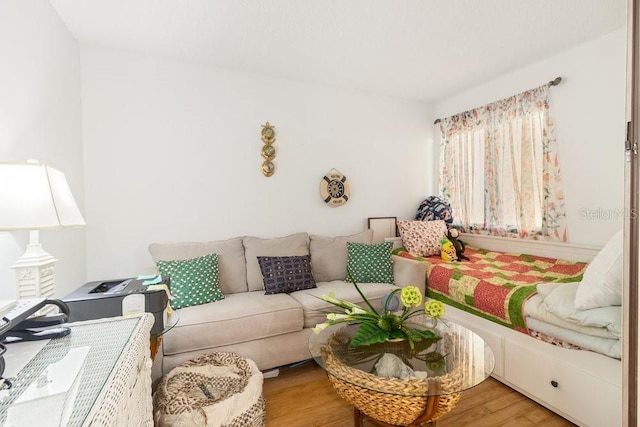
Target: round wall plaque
(334, 189)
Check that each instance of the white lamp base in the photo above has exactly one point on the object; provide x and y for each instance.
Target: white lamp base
(34, 271)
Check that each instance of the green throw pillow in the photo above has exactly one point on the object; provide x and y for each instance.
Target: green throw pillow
(370, 263)
(193, 281)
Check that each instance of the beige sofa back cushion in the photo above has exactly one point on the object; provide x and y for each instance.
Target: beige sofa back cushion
(231, 265)
(329, 255)
(292, 245)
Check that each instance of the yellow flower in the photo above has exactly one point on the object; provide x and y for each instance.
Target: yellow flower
(331, 297)
(320, 327)
(410, 296)
(336, 316)
(434, 309)
(377, 326)
(355, 310)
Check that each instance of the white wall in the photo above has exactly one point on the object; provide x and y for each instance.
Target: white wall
(589, 111)
(172, 153)
(40, 117)
(171, 149)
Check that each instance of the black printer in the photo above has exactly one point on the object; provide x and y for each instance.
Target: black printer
(98, 299)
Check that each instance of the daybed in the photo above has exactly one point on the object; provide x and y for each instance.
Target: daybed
(554, 325)
(271, 329)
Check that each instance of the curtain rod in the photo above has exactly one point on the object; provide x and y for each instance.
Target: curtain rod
(554, 82)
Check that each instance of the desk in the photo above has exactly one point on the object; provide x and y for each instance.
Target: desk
(457, 362)
(115, 384)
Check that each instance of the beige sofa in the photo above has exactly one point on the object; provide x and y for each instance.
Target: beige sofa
(272, 330)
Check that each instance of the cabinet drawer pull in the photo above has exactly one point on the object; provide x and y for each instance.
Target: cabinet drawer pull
(554, 383)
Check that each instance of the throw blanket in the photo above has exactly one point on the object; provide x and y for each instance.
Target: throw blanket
(493, 285)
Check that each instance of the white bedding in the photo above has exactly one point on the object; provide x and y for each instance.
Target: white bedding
(606, 346)
(535, 308)
(552, 312)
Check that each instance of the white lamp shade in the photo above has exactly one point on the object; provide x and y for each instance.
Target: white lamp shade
(35, 196)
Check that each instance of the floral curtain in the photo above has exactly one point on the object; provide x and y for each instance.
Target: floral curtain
(500, 169)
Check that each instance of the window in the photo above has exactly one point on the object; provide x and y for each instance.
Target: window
(499, 169)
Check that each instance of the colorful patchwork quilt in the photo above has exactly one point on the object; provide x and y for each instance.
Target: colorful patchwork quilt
(493, 285)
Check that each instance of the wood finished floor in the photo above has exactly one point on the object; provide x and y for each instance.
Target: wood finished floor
(303, 397)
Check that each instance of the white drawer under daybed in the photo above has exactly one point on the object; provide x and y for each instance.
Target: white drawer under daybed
(563, 384)
(588, 390)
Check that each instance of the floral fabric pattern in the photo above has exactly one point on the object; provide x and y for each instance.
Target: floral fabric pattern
(422, 238)
(500, 171)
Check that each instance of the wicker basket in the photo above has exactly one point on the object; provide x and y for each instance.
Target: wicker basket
(395, 401)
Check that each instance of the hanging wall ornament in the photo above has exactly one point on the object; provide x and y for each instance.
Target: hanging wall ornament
(334, 189)
(268, 136)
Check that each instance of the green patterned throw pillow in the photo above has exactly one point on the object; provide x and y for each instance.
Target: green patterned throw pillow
(193, 281)
(370, 263)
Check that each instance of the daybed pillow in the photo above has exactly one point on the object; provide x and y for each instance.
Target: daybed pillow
(329, 255)
(561, 300)
(370, 263)
(561, 303)
(422, 238)
(285, 274)
(292, 245)
(545, 289)
(601, 284)
(231, 264)
(193, 281)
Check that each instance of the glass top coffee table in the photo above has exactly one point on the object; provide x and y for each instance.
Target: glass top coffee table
(435, 373)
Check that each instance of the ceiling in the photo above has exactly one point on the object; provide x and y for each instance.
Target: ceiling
(416, 49)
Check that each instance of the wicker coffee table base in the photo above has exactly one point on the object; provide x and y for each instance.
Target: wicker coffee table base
(392, 410)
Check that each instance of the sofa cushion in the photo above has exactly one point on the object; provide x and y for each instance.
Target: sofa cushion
(237, 318)
(370, 263)
(316, 309)
(292, 245)
(285, 274)
(193, 281)
(231, 263)
(329, 255)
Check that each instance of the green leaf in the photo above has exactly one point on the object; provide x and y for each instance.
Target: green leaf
(397, 333)
(368, 333)
(418, 334)
(352, 280)
(391, 321)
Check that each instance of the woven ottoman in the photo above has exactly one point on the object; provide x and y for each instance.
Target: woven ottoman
(219, 389)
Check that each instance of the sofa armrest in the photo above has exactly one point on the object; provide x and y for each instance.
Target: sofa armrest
(409, 272)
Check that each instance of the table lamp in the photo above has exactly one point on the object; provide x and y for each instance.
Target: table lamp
(35, 196)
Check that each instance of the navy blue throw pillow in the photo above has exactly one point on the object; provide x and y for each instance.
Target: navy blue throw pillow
(285, 274)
